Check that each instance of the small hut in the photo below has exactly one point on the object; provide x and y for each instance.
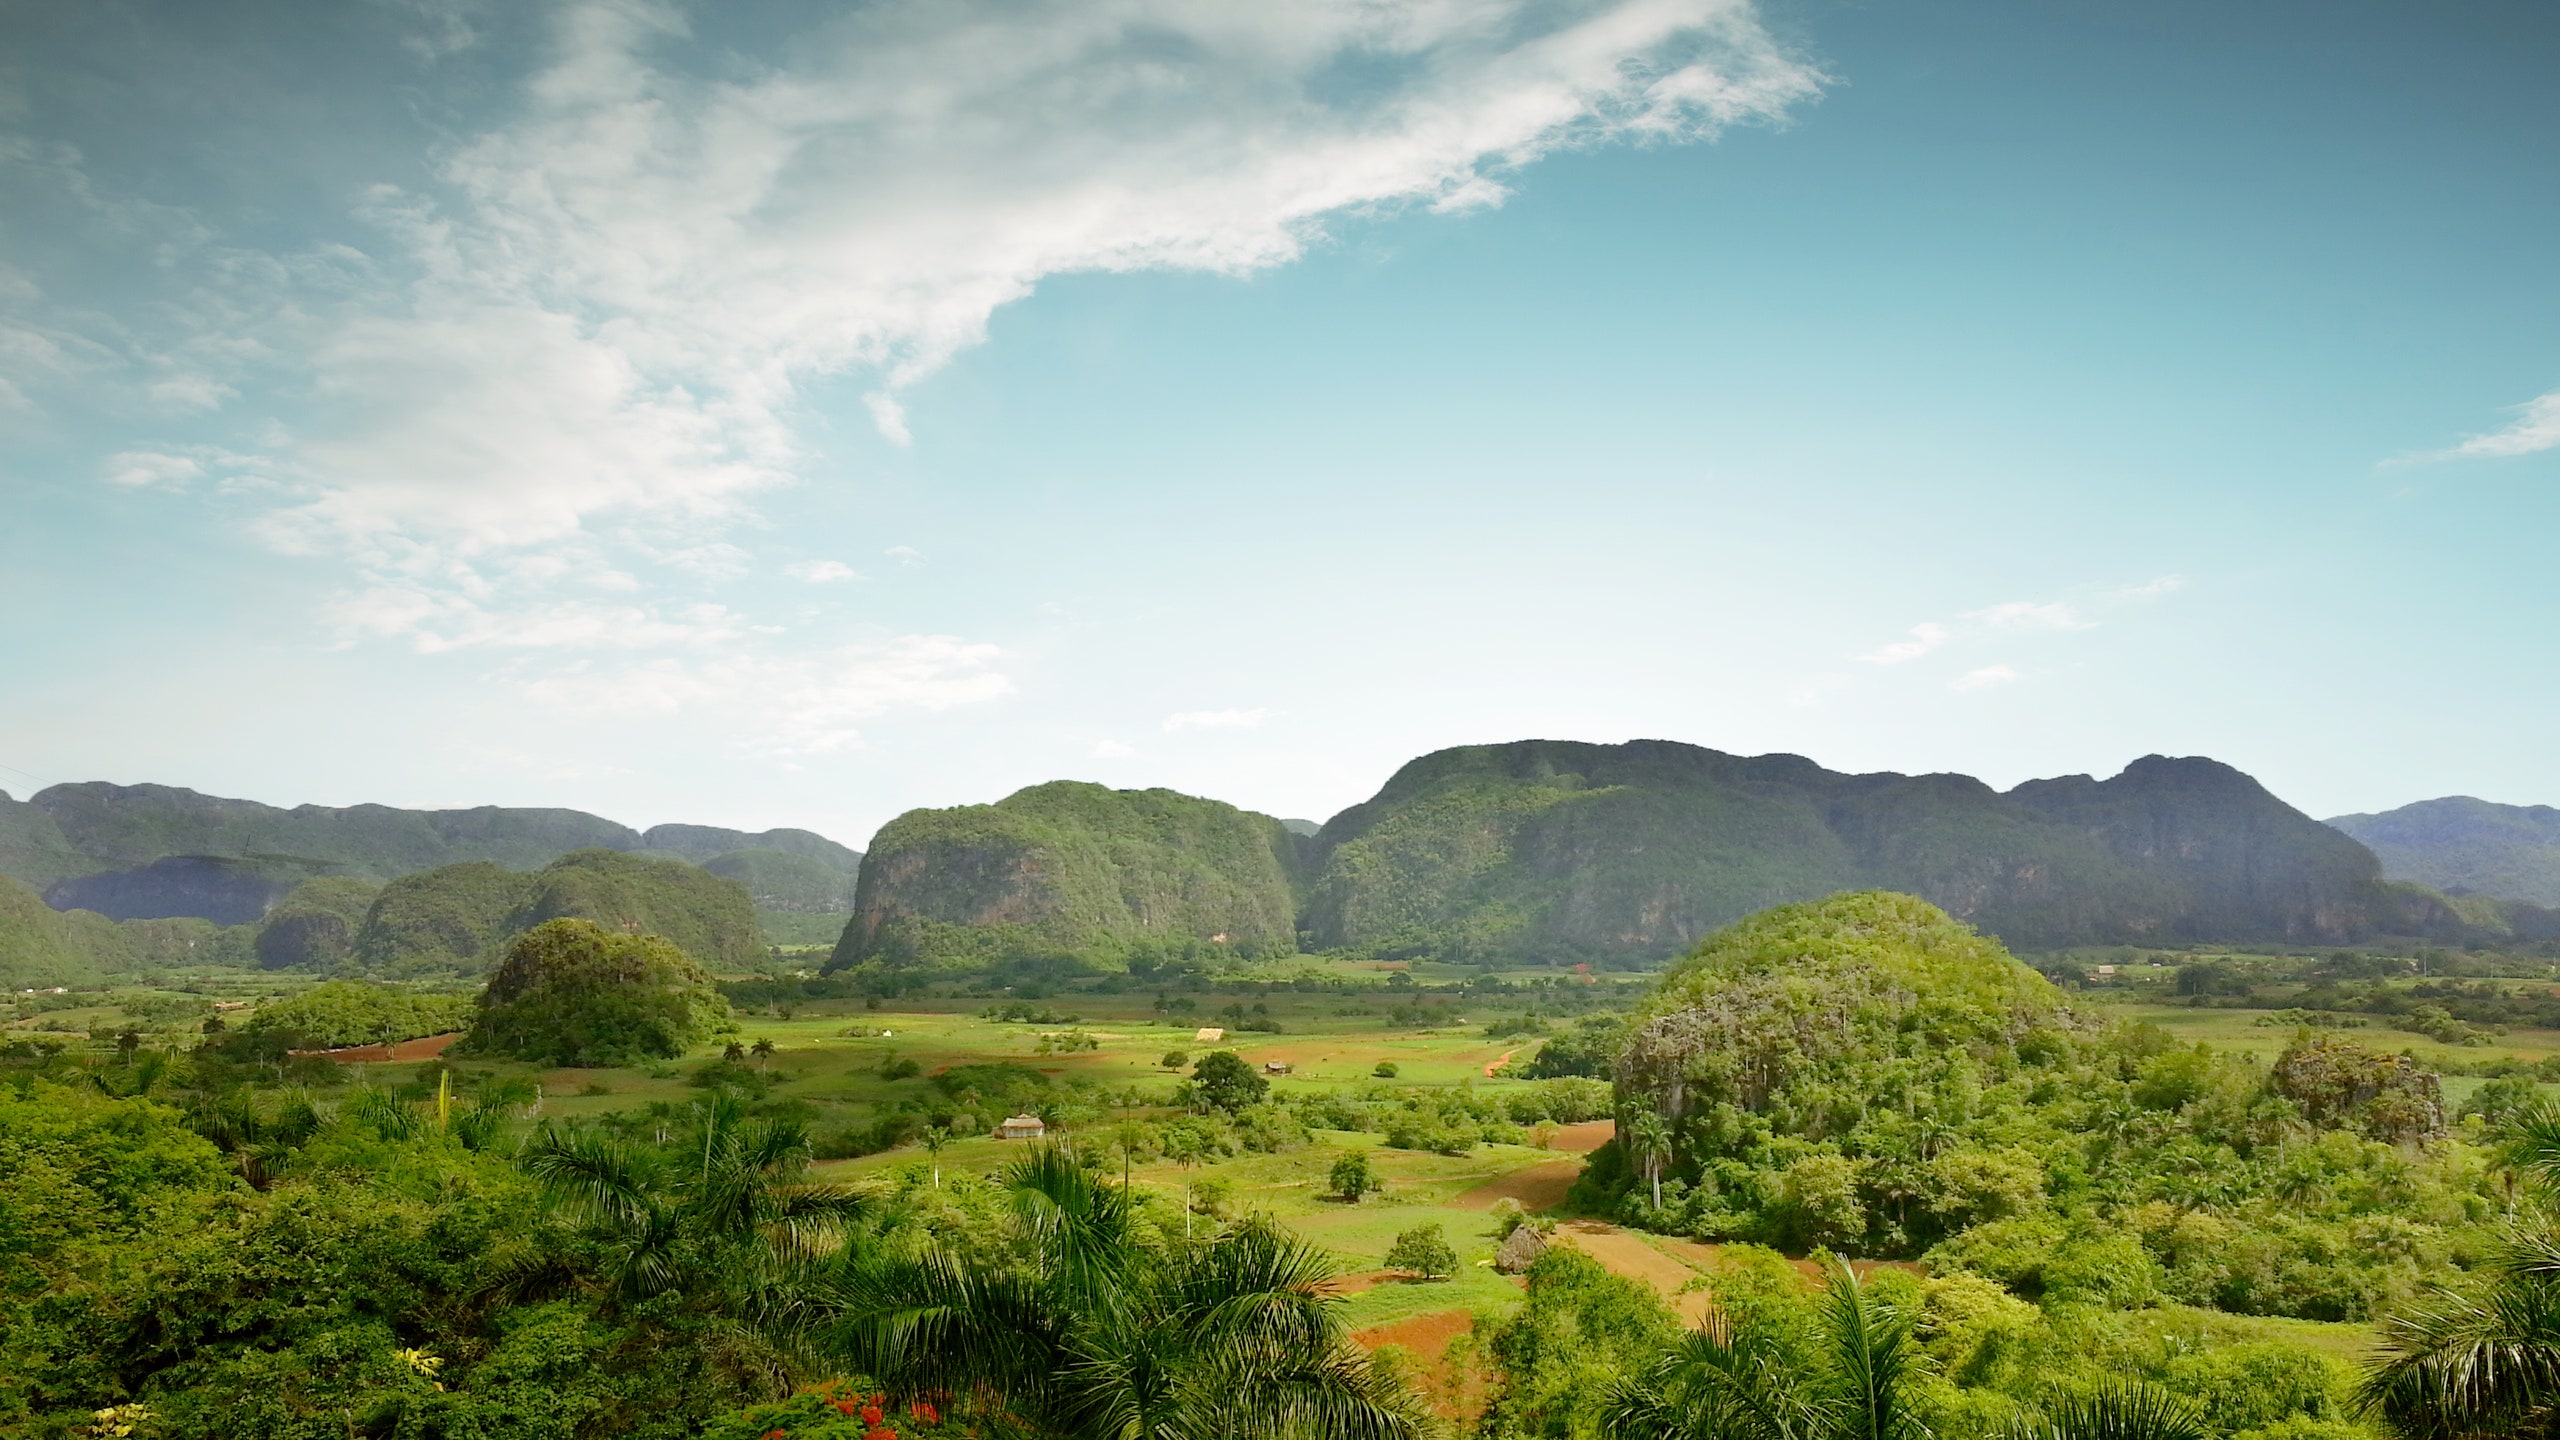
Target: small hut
(1022, 1127)
(1522, 1246)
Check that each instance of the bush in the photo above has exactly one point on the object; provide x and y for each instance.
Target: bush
(1353, 1176)
(1423, 1251)
(573, 993)
(1384, 1070)
(347, 1012)
(1174, 1060)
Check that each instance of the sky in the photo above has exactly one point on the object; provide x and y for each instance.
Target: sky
(794, 413)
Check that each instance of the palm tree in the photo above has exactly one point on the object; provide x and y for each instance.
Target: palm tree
(1648, 1141)
(1727, 1383)
(763, 1051)
(2483, 1359)
(1105, 1333)
(934, 1139)
(723, 1216)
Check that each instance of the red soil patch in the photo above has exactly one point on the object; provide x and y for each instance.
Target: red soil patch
(1425, 1335)
(1498, 1064)
(1350, 1285)
(1623, 1254)
(1426, 1338)
(1709, 1257)
(1539, 1187)
(425, 1048)
(1586, 1137)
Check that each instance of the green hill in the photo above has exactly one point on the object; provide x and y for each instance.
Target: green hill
(42, 947)
(2467, 846)
(1554, 849)
(793, 884)
(459, 917)
(1072, 869)
(157, 851)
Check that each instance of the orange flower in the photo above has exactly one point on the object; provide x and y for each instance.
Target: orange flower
(925, 1413)
(871, 1415)
(777, 1435)
(846, 1407)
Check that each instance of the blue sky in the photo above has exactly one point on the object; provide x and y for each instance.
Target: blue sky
(795, 413)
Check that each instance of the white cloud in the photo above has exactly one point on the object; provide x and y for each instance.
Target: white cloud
(1984, 678)
(1216, 720)
(2152, 589)
(905, 554)
(135, 469)
(789, 705)
(1925, 637)
(436, 620)
(1112, 750)
(2536, 428)
(617, 296)
(822, 572)
(2030, 615)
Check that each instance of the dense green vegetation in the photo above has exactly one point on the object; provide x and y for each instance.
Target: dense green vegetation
(573, 993)
(803, 1224)
(344, 1012)
(1072, 871)
(1547, 850)
(1870, 1075)
(2466, 846)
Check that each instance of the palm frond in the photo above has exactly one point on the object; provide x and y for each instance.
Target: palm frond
(2126, 1410)
(1714, 1385)
(1870, 1346)
(597, 1177)
(2479, 1361)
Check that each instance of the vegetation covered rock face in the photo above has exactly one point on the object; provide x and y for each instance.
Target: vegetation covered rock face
(1635, 851)
(1073, 870)
(315, 928)
(2464, 845)
(2338, 1082)
(1871, 1075)
(456, 917)
(572, 993)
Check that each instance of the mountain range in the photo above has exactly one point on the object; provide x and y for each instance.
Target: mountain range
(2464, 846)
(1563, 851)
(133, 852)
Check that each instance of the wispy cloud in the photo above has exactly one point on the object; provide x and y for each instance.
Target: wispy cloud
(1215, 720)
(2151, 589)
(1112, 750)
(136, 469)
(1983, 678)
(822, 572)
(2536, 428)
(905, 554)
(788, 705)
(1925, 637)
(2031, 615)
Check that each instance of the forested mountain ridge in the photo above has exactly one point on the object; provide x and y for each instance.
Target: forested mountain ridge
(141, 851)
(2464, 845)
(1558, 850)
(1638, 849)
(1074, 868)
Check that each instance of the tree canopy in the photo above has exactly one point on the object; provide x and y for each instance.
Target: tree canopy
(573, 993)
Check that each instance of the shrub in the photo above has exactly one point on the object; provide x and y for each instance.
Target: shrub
(1423, 1251)
(1353, 1177)
(1384, 1070)
(1174, 1060)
